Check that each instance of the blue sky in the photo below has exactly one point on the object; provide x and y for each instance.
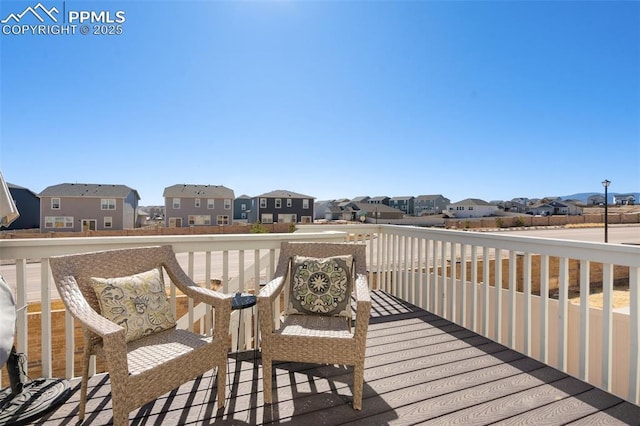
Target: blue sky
(332, 99)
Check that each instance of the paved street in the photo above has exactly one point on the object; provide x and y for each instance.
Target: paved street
(621, 234)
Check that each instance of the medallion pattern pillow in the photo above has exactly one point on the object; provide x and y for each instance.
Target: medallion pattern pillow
(321, 286)
(137, 302)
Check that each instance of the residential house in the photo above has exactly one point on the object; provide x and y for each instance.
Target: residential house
(281, 206)
(375, 212)
(88, 207)
(555, 207)
(28, 205)
(197, 205)
(470, 208)
(430, 204)
(404, 204)
(382, 199)
(323, 208)
(150, 216)
(624, 199)
(596, 200)
(513, 206)
(241, 206)
(521, 200)
(360, 199)
(364, 211)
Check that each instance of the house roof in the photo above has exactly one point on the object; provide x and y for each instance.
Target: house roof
(380, 208)
(403, 197)
(379, 198)
(429, 197)
(472, 202)
(88, 190)
(12, 186)
(360, 199)
(281, 193)
(197, 191)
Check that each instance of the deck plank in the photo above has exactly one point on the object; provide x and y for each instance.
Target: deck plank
(419, 369)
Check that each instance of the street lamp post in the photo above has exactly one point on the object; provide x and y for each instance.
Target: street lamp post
(606, 184)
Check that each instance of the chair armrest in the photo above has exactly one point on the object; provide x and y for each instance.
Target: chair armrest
(192, 290)
(268, 294)
(363, 305)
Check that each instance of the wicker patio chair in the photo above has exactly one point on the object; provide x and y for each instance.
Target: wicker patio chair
(317, 339)
(148, 367)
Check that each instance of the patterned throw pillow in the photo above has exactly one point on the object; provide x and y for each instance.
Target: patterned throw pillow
(321, 286)
(137, 302)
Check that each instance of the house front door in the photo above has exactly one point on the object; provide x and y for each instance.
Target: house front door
(89, 225)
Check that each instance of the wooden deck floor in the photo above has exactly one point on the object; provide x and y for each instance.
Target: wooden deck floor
(420, 369)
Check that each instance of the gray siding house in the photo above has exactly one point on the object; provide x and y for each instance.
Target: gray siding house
(28, 205)
(197, 205)
(404, 204)
(87, 207)
(241, 207)
(430, 204)
(282, 206)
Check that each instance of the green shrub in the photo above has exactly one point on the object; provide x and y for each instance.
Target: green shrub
(258, 228)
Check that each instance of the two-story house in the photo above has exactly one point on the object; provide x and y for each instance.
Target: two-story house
(281, 206)
(241, 207)
(197, 205)
(380, 199)
(404, 204)
(430, 204)
(28, 205)
(87, 207)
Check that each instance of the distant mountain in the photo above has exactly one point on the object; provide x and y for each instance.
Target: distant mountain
(584, 196)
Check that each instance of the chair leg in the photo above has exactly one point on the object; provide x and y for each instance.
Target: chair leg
(83, 385)
(120, 415)
(222, 382)
(358, 384)
(267, 363)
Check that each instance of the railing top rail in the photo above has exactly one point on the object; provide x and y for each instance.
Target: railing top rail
(619, 254)
(46, 247)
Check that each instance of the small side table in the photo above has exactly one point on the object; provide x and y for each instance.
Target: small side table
(243, 301)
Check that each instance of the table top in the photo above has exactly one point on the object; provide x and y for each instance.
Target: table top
(243, 301)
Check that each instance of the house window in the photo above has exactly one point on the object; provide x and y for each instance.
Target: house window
(108, 204)
(58, 222)
(108, 222)
(267, 218)
(55, 204)
(287, 218)
(176, 203)
(199, 220)
(305, 203)
(175, 222)
(289, 202)
(278, 203)
(197, 202)
(222, 219)
(263, 203)
(227, 204)
(243, 207)
(211, 204)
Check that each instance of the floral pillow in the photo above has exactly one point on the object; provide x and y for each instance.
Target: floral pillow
(321, 286)
(137, 302)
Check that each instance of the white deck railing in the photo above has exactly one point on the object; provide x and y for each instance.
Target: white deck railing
(600, 346)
